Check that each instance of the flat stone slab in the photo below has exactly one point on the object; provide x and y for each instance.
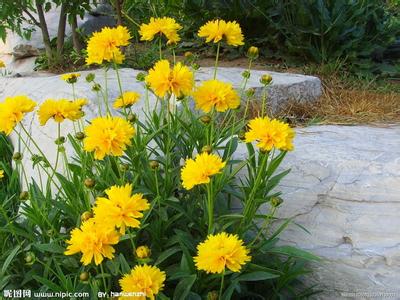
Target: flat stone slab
(345, 189)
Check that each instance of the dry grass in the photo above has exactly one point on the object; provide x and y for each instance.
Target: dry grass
(343, 104)
(344, 100)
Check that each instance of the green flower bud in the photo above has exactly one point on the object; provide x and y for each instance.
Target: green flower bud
(17, 156)
(242, 135)
(124, 167)
(250, 92)
(79, 136)
(89, 183)
(60, 140)
(252, 52)
(131, 118)
(86, 216)
(276, 201)
(24, 195)
(206, 119)
(30, 258)
(266, 79)
(90, 77)
(141, 76)
(154, 164)
(96, 87)
(207, 149)
(84, 276)
(195, 66)
(246, 74)
(213, 295)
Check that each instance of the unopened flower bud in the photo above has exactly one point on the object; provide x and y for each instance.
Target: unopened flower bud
(141, 76)
(60, 140)
(252, 52)
(96, 87)
(154, 164)
(195, 66)
(36, 158)
(206, 119)
(131, 118)
(188, 54)
(276, 201)
(80, 136)
(206, 149)
(89, 183)
(86, 216)
(242, 135)
(250, 92)
(30, 258)
(24, 195)
(143, 252)
(246, 74)
(84, 276)
(90, 77)
(17, 156)
(213, 295)
(124, 167)
(266, 79)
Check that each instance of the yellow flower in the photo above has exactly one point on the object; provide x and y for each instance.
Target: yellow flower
(94, 241)
(145, 279)
(2, 64)
(60, 110)
(108, 136)
(1, 173)
(162, 79)
(199, 170)
(215, 93)
(121, 209)
(219, 29)
(71, 78)
(13, 110)
(220, 251)
(270, 134)
(143, 252)
(104, 45)
(127, 99)
(166, 26)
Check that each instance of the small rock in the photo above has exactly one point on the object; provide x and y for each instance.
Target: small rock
(25, 50)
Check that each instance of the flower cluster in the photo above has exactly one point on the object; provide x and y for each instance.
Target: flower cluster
(162, 79)
(108, 136)
(13, 110)
(217, 30)
(104, 46)
(60, 110)
(199, 170)
(270, 134)
(162, 26)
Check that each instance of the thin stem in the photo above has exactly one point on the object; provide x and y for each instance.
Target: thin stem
(102, 276)
(216, 61)
(210, 207)
(222, 285)
(160, 46)
(120, 87)
(106, 92)
(264, 226)
(58, 150)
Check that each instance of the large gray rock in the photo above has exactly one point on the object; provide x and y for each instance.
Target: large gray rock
(345, 189)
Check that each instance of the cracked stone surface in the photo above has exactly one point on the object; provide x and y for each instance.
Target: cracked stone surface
(345, 189)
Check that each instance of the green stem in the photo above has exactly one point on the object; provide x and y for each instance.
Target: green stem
(106, 92)
(210, 207)
(160, 46)
(102, 276)
(264, 226)
(222, 285)
(58, 150)
(120, 86)
(216, 61)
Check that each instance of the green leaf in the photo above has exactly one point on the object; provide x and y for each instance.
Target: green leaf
(256, 276)
(167, 253)
(52, 248)
(9, 259)
(183, 287)
(294, 252)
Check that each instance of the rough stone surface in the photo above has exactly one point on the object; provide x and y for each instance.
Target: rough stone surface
(345, 189)
(24, 51)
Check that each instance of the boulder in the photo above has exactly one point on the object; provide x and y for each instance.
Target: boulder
(344, 188)
(24, 51)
